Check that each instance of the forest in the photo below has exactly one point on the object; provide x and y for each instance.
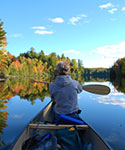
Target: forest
(43, 67)
(32, 64)
(39, 65)
(96, 74)
(118, 69)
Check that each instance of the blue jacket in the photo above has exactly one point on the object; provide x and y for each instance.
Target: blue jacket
(64, 91)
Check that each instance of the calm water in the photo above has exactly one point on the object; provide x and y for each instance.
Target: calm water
(105, 114)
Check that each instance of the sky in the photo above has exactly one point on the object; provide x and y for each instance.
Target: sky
(91, 30)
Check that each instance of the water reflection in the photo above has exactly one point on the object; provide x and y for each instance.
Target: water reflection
(119, 84)
(113, 99)
(106, 115)
(19, 113)
(20, 101)
(3, 118)
(26, 91)
(23, 88)
(3, 124)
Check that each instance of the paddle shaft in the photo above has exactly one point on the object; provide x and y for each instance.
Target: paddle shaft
(92, 88)
(41, 81)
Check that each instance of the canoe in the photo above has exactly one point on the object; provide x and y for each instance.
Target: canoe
(86, 132)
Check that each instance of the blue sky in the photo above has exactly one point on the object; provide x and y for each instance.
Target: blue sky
(92, 30)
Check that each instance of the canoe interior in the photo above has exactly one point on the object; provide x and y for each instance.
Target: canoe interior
(88, 135)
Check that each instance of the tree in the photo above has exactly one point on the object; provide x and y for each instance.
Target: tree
(118, 69)
(52, 60)
(74, 66)
(63, 57)
(42, 56)
(3, 55)
(2, 35)
(80, 65)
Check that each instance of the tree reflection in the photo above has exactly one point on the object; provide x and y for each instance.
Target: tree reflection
(24, 88)
(3, 118)
(119, 84)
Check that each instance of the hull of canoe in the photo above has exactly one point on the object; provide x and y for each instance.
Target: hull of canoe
(88, 134)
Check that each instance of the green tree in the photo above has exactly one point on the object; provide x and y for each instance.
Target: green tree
(42, 56)
(2, 35)
(52, 60)
(62, 57)
(74, 65)
(118, 69)
(3, 55)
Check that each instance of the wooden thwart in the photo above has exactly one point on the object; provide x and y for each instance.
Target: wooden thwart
(54, 126)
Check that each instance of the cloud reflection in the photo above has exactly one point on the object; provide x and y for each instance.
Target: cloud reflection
(113, 99)
(16, 116)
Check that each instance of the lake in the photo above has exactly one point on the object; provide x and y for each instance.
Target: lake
(21, 100)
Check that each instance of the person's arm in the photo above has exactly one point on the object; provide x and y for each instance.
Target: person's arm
(79, 87)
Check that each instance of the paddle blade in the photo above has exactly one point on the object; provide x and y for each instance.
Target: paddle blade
(97, 89)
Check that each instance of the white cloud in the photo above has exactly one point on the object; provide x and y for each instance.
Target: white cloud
(74, 20)
(113, 10)
(71, 51)
(101, 61)
(123, 8)
(39, 27)
(16, 35)
(108, 5)
(116, 51)
(84, 15)
(108, 54)
(43, 32)
(56, 20)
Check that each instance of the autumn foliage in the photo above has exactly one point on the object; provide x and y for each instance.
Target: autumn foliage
(24, 88)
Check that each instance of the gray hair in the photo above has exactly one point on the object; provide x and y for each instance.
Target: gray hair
(62, 68)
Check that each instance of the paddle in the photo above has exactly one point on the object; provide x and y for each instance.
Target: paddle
(93, 88)
(97, 89)
(32, 80)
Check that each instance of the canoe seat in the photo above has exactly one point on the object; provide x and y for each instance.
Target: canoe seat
(54, 126)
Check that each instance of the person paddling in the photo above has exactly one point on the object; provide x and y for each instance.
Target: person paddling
(64, 91)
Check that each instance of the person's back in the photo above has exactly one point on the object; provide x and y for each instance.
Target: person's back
(64, 91)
